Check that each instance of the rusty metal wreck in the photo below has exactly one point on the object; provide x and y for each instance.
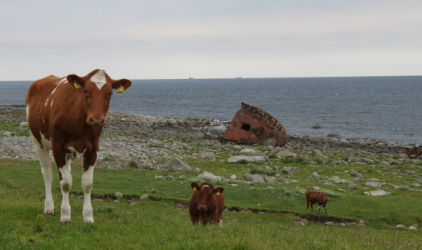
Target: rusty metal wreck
(252, 125)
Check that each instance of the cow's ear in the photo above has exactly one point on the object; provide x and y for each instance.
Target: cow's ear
(218, 191)
(194, 186)
(121, 85)
(75, 81)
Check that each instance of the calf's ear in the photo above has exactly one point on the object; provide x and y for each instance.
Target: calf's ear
(194, 186)
(121, 85)
(218, 191)
(75, 81)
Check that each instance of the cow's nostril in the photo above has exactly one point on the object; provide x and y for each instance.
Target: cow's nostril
(202, 208)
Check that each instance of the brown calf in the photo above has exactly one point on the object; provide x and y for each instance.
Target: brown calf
(67, 115)
(320, 198)
(206, 204)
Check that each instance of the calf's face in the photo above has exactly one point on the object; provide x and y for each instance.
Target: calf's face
(204, 197)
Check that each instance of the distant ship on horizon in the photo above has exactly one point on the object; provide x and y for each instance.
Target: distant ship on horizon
(190, 78)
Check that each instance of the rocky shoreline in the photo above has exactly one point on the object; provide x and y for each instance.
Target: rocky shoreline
(147, 140)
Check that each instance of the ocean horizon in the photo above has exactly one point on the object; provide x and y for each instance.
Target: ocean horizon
(379, 107)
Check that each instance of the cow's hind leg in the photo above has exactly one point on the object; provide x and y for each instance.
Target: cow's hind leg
(47, 174)
(86, 182)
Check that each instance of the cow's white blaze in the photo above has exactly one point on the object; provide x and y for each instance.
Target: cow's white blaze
(86, 182)
(66, 185)
(205, 186)
(99, 79)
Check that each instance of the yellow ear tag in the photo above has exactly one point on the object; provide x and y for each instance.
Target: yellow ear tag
(120, 89)
(76, 84)
(194, 189)
(218, 193)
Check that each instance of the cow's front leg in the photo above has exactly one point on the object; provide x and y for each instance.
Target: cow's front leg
(86, 183)
(66, 185)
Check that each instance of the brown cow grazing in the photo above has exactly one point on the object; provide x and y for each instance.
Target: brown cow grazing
(206, 204)
(67, 115)
(320, 198)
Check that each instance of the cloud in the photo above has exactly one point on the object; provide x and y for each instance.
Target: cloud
(174, 39)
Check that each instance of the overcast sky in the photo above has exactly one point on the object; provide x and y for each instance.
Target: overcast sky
(210, 39)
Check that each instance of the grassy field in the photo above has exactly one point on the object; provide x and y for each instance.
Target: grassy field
(149, 224)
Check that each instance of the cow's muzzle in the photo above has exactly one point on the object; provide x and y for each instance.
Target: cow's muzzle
(96, 122)
(202, 208)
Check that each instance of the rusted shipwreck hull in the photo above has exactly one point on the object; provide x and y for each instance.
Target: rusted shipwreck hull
(252, 125)
(413, 152)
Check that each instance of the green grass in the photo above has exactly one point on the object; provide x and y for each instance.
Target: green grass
(14, 128)
(162, 225)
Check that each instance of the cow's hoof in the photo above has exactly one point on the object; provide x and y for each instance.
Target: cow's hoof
(65, 220)
(49, 212)
(90, 220)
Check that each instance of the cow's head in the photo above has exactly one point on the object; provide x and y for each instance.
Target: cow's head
(205, 195)
(97, 90)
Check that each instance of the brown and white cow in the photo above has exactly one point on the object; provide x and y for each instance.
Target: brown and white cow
(320, 198)
(206, 204)
(67, 115)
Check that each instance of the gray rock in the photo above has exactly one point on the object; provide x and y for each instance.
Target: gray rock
(143, 197)
(355, 173)
(271, 179)
(257, 179)
(209, 136)
(247, 151)
(177, 165)
(373, 184)
(352, 185)
(248, 177)
(118, 195)
(235, 159)
(316, 188)
(259, 153)
(281, 180)
(291, 170)
(232, 177)
(377, 193)
(286, 154)
(208, 155)
(270, 142)
(400, 227)
(413, 228)
(315, 175)
(209, 176)
(336, 179)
